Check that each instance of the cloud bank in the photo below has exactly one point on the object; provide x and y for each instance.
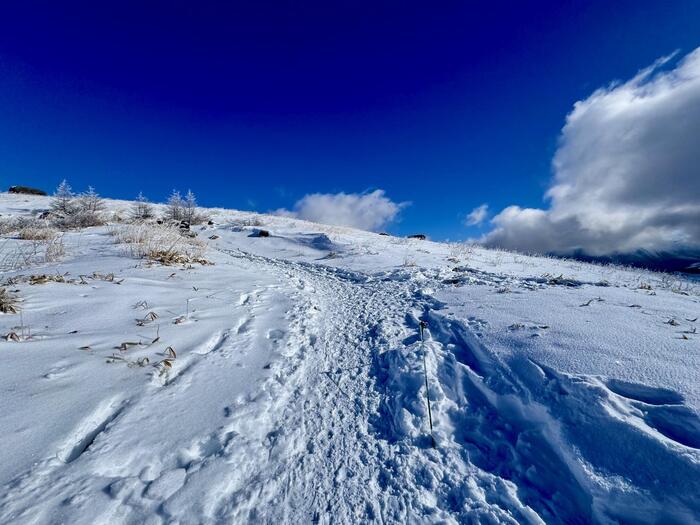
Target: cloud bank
(626, 171)
(366, 211)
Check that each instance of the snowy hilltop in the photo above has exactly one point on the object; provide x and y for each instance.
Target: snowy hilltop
(217, 366)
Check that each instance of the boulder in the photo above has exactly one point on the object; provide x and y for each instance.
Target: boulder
(26, 190)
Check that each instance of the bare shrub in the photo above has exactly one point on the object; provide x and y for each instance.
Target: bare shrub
(54, 249)
(158, 242)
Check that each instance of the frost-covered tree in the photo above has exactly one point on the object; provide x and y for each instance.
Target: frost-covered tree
(176, 206)
(63, 202)
(189, 211)
(89, 209)
(141, 209)
(89, 202)
(71, 211)
(180, 209)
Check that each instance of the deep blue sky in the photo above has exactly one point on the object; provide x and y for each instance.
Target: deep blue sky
(252, 105)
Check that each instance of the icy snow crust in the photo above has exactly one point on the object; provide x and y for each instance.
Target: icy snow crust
(561, 392)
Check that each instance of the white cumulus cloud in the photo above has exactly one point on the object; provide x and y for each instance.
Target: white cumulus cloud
(366, 211)
(626, 171)
(477, 215)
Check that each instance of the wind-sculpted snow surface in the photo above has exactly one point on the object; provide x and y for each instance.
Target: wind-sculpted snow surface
(562, 439)
(285, 383)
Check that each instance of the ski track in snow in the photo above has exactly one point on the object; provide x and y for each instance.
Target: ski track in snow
(336, 429)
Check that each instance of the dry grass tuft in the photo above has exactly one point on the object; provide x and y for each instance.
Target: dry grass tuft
(159, 243)
(38, 233)
(12, 224)
(249, 222)
(18, 254)
(48, 278)
(8, 302)
(12, 336)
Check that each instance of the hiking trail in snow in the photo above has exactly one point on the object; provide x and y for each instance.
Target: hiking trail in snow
(298, 396)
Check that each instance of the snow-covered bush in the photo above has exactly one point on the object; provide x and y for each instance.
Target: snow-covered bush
(461, 249)
(242, 224)
(9, 225)
(37, 232)
(27, 228)
(69, 211)
(141, 209)
(158, 242)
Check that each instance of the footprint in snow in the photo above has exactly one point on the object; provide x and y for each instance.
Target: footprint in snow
(124, 487)
(167, 484)
(646, 394)
(244, 325)
(677, 423)
(663, 411)
(55, 372)
(275, 334)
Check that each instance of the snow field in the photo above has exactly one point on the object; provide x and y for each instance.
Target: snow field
(561, 392)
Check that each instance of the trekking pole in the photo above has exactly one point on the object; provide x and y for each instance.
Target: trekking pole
(422, 326)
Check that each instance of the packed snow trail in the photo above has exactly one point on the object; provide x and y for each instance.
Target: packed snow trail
(350, 463)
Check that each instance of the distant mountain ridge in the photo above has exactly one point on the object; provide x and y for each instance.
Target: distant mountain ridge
(686, 260)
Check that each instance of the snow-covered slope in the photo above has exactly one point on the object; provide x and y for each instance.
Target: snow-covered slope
(560, 392)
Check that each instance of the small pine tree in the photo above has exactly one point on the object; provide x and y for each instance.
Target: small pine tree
(89, 202)
(63, 203)
(141, 209)
(176, 206)
(89, 210)
(189, 212)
